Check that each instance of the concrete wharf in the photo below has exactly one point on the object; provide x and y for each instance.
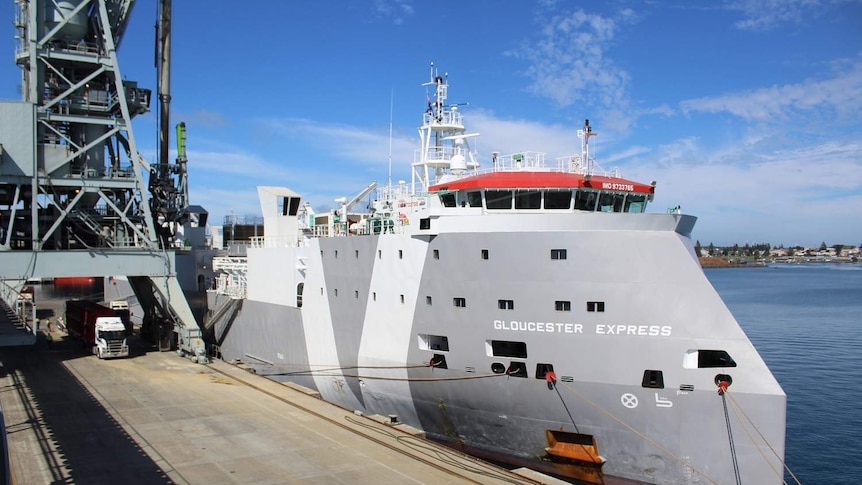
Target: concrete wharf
(161, 419)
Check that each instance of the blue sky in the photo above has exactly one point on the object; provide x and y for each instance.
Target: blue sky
(748, 113)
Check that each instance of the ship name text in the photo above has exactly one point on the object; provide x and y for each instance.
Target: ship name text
(600, 329)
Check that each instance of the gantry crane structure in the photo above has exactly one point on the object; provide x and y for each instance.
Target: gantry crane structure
(77, 198)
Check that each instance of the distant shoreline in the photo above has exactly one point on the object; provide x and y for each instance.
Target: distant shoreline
(714, 262)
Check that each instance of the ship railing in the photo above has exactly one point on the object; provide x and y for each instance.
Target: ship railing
(441, 154)
(521, 161)
(277, 242)
(231, 285)
(401, 191)
(576, 164)
(446, 117)
(230, 264)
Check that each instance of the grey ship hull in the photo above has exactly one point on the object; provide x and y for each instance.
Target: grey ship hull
(374, 309)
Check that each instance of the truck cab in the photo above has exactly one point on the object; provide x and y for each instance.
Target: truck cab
(110, 338)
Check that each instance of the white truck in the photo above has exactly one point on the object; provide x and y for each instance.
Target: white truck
(98, 327)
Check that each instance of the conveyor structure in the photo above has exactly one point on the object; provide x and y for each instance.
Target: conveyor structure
(74, 200)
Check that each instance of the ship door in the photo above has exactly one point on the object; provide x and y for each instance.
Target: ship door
(299, 289)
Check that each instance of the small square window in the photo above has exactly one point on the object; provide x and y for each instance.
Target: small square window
(484, 254)
(506, 304)
(563, 306)
(428, 300)
(459, 302)
(436, 254)
(595, 306)
(558, 254)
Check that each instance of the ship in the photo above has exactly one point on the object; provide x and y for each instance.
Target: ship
(528, 311)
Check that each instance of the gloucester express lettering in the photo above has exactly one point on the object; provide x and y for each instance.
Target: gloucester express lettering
(577, 328)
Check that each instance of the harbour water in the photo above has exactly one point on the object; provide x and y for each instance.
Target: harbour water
(806, 322)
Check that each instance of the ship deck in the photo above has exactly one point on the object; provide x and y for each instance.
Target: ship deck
(158, 418)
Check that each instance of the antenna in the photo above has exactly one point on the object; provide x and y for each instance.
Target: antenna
(391, 102)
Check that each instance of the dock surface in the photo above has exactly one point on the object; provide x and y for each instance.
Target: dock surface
(156, 418)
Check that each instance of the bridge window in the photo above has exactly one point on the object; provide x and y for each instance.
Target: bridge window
(459, 302)
(558, 254)
(485, 254)
(528, 199)
(558, 199)
(563, 306)
(635, 203)
(474, 198)
(498, 199)
(585, 200)
(506, 304)
(448, 199)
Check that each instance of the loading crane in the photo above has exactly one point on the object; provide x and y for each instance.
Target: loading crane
(342, 212)
(73, 195)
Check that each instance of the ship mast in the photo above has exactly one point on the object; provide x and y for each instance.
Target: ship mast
(585, 135)
(444, 144)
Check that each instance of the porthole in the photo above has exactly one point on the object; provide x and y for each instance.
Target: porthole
(498, 368)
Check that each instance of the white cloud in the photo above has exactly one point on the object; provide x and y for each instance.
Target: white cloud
(570, 63)
(350, 144)
(766, 14)
(397, 10)
(840, 94)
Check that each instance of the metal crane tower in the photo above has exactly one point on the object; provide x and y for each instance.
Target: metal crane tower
(73, 199)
